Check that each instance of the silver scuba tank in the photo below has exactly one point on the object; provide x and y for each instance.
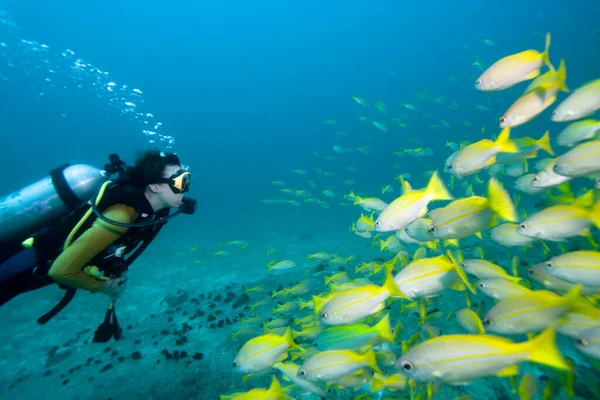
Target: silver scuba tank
(48, 200)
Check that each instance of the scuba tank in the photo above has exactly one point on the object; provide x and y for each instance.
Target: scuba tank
(50, 199)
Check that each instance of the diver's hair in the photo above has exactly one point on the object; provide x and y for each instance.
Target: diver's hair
(149, 167)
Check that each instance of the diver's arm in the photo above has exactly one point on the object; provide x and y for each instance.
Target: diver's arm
(67, 269)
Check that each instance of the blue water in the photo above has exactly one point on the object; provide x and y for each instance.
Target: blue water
(244, 89)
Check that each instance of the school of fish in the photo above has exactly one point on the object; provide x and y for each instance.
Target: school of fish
(472, 283)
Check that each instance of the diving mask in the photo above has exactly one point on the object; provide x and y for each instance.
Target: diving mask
(179, 182)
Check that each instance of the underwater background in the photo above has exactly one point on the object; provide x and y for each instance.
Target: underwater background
(245, 93)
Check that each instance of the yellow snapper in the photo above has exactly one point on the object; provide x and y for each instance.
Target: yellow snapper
(411, 205)
(280, 265)
(262, 352)
(469, 216)
(560, 222)
(352, 305)
(578, 132)
(483, 269)
(536, 100)
(370, 203)
(469, 320)
(429, 276)
(539, 274)
(419, 230)
(353, 337)
(526, 148)
(477, 156)
(365, 224)
(394, 382)
(581, 103)
(290, 371)
(332, 365)
(275, 392)
(506, 234)
(513, 69)
(589, 343)
(575, 323)
(576, 267)
(529, 312)
(458, 359)
(499, 288)
(581, 160)
(525, 184)
(547, 178)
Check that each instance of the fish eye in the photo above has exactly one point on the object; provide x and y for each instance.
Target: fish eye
(407, 366)
(234, 364)
(503, 120)
(478, 82)
(530, 271)
(535, 178)
(554, 113)
(481, 285)
(462, 264)
(432, 229)
(487, 321)
(549, 264)
(377, 224)
(581, 342)
(523, 226)
(301, 372)
(323, 315)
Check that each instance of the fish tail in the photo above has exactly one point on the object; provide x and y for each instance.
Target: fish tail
(391, 286)
(357, 199)
(543, 350)
(382, 245)
(275, 390)
(384, 329)
(377, 383)
(595, 217)
(372, 361)
(500, 201)
(504, 144)
(546, 53)
(561, 77)
(573, 296)
(544, 143)
(436, 188)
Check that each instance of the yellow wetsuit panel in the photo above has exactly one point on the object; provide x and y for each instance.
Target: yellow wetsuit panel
(67, 269)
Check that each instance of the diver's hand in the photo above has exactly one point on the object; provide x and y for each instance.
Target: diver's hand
(188, 205)
(114, 288)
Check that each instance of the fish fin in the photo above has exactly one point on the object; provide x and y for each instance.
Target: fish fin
(500, 201)
(372, 361)
(391, 286)
(533, 75)
(543, 350)
(546, 53)
(436, 188)
(544, 143)
(508, 371)
(478, 234)
(503, 142)
(377, 383)
(572, 297)
(561, 77)
(463, 277)
(451, 242)
(384, 330)
(586, 200)
(595, 216)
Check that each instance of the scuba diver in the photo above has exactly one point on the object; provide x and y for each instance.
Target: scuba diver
(88, 244)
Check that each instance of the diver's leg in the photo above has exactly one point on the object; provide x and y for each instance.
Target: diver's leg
(16, 276)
